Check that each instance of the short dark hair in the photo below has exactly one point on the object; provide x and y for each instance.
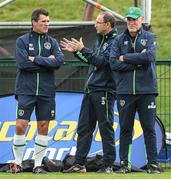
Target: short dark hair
(109, 17)
(37, 12)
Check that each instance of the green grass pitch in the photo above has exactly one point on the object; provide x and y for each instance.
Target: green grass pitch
(134, 175)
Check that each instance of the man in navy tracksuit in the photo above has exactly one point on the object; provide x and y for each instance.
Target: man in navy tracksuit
(37, 56)
(136, 88)
(98, 101)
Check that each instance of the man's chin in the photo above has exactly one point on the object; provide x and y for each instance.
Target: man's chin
(132, 30)
(45, 31)
(99, 32)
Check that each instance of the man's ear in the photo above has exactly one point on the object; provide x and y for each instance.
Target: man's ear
(142, 19)
(108, 24)
(33, 22)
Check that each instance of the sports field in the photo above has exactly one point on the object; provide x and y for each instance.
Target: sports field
(21, 11)
(133, 175)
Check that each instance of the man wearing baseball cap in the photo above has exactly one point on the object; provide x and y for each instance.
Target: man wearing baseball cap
(136, 88)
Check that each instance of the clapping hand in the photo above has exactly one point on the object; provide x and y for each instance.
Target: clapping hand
(71, 45)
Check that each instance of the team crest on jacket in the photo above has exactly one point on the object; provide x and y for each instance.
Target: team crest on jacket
(143, 42)
(47, 45)
(125, 42)
(105, 46)
(122, 102)
(31, 48)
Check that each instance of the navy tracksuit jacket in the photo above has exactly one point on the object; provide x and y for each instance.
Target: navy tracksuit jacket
(98, 101)
(136, 85)
(37, 78)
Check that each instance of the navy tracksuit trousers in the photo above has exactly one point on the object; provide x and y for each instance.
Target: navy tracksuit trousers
(146, 108)
(96, 107)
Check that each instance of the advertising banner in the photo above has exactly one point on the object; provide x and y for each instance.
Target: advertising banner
(62, 131)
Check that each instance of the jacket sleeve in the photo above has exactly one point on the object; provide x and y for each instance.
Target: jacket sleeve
(79, 55)
(91, 57)
(143, 58)
(115, 63)
(51, 63)
(22, 61)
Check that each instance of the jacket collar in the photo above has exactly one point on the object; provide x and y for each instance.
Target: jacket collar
(139, 32)
(111, 34)
(35, 34)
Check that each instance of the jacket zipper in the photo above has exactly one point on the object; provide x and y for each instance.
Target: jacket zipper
(38, 78)
(95, 67)
(134, 74)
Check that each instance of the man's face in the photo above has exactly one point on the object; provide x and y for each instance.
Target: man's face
(41, 26)
(100, 25)
(134, 24)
